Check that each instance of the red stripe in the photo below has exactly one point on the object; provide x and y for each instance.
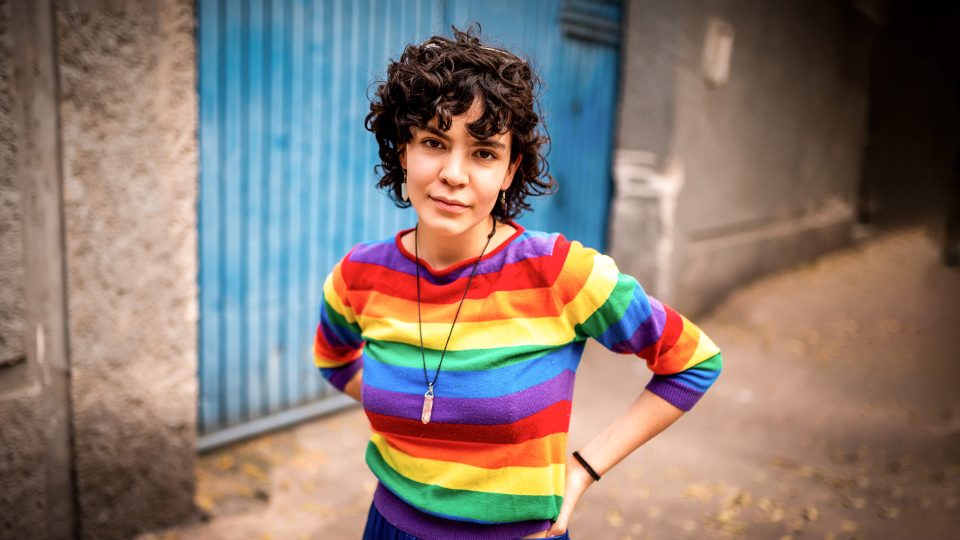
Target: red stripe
(525, 274)
(553, 419)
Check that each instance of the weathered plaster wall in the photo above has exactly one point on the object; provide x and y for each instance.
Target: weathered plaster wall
(763, 171)
(772, 159)
(21, 439)
(36, 482)
(11, 230)
(129, 108)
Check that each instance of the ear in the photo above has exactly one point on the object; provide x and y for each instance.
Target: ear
(511, 171)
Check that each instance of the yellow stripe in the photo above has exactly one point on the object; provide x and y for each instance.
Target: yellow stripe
(595, 291)
(705, 346)
(506, 480)
(471, 335)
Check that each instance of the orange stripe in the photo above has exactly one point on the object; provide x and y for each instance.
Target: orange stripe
(541, 452)
(677, 357)
(527, 303)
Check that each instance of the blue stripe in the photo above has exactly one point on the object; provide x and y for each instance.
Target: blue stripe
(695, 378)
(637, 312)
(473, 384)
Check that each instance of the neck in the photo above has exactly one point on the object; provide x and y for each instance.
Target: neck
(441, 251)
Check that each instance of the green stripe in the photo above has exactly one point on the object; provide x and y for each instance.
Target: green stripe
(612, 309)
(467, 505)
(403, 355)
(714, 363)
(339, 320)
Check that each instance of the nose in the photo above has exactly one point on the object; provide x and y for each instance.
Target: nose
(454, 171)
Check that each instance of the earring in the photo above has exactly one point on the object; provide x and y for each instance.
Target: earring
(503, 200)
(403, 187)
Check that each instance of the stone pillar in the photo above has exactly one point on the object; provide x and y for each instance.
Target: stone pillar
(37, 489)
(129, 125)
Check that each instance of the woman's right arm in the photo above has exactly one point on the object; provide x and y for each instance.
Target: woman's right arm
(352, 388)
(338, 344)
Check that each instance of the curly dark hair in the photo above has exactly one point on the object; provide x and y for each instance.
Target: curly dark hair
(442, 77)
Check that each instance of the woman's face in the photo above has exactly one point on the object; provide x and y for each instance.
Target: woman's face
(453, 179)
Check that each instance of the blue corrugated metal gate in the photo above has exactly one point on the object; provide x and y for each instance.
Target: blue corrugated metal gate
(286, 168)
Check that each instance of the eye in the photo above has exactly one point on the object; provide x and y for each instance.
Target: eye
(486, 155)
(432, 143)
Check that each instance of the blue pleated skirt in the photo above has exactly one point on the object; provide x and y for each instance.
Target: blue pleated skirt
(378, 528)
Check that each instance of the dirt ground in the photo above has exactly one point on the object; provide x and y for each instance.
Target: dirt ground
(837, 416)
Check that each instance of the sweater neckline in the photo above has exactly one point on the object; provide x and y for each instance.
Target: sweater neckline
(458, 265)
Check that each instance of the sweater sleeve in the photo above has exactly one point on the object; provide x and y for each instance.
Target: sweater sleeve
(337, 345)
(613, 308)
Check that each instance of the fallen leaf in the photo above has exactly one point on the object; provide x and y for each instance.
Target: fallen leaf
(253, 471)
(614, 519)
(226, 462)
(741, 498)
(698, 491)
(204, 502)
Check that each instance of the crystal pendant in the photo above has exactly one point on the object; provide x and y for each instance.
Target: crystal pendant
(427, 405)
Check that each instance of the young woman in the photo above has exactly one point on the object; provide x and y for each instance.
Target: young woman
(461, 336)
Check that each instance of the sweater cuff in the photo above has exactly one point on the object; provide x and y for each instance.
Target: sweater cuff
(678, 395)
(340, 376)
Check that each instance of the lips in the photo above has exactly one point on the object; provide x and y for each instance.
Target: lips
(449, 206)
(450, 202)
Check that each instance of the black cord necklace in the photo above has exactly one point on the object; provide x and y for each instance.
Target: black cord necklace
(428, 396)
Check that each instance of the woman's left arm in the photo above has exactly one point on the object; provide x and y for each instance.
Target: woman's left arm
(611, 307)
(648, 416)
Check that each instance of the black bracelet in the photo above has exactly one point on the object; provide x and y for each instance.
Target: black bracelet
(586, 466)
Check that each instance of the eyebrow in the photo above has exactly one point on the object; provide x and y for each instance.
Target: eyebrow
(480, 142)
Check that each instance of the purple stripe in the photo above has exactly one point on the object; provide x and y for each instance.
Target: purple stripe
(387, 254)
(504, 409)
(676, 394)
(647, 333)
(339, 377)
(429, 527)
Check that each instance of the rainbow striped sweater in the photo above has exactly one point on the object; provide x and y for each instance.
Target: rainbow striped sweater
(491, 462)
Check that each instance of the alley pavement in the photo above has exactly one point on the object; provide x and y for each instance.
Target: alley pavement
(837, 416)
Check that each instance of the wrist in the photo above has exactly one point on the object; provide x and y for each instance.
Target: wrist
(577, 475)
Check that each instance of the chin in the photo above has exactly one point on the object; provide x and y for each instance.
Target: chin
(447, 225)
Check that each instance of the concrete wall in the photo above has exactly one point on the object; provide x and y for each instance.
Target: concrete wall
(12, 304)
(99, 114)
(128, 109)
(36, 466)
(747, 176)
